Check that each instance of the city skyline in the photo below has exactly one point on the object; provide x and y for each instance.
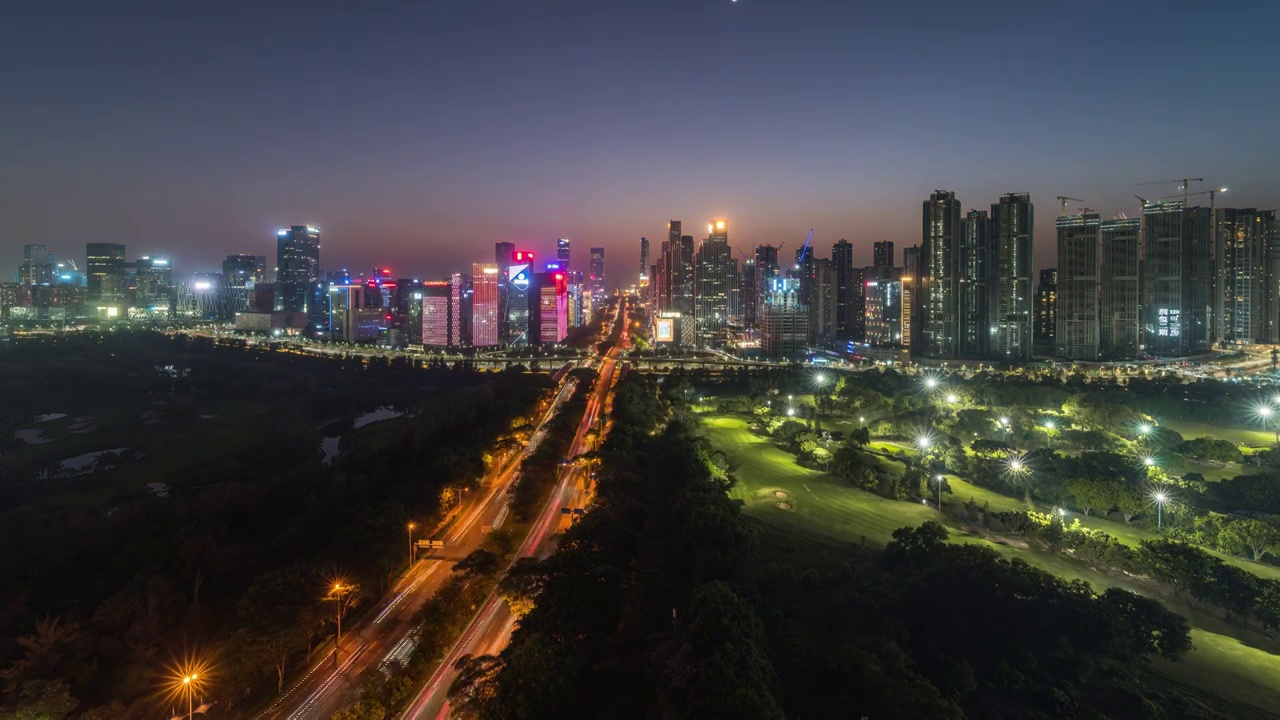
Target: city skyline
(413, 157)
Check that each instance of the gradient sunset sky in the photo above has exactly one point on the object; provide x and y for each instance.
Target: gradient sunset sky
(417, 134)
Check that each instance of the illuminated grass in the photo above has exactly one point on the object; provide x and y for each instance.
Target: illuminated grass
(1190, 429)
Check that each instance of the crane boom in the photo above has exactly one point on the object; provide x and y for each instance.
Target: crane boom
(1063, 199)
(805, 249)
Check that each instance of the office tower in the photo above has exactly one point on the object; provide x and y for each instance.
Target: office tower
(1119, 322)
(502, 256)
(823, 318)
(597, 271)
(548, 308)
(749, 291)
(407, 310)
(766, 270)
(1177, 277)
(437, 314)
(519, 282)
(240, 270)
(348, 320)
(1243, 246)
(105, 271)
(297, 266)
(884, 312)
(562, 253)
(1014, 218)
(1076, 336)
(37, 265)
(784, 322)
(940, 278)
(976, 286)
(847, 315)
(484, 305)
(881, 258)
(644, 259)
(153, 281)
(711, 297)
(912, 297)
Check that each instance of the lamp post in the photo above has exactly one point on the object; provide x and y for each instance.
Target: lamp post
(189, 689)
(1160, 499)
(339, 595)
(938, 479)
(412, 554)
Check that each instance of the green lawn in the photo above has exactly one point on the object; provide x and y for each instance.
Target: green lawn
(823, 508)
(1191, 429)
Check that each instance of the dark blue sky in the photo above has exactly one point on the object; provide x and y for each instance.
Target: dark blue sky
(417, 134)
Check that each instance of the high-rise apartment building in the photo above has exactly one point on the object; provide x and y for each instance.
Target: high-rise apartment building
(437, 314)
(105, 271)
(297, 267)
(1077, 332)
(823, 319)
(37, 265)
(766, 271)
(712, 282)
(940, 278)
(1177, 278)
(549, 314)
(503, 253)
(881, 258)
(976, 285)
(1014, 218)
(1244, 266)
(1045, 326)
(484, 305)
(1119, 317)
(885, 312)
(153, 283)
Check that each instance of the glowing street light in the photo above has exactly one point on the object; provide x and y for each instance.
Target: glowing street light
(1004, 421)
(791, 412)
(952, 399)
(1143, 429)
(340, 594)
(931, 382)
(1050, 425)
(938, 479)
(1160, 499)
(1149, 461)
(923, 442)
(412, 554)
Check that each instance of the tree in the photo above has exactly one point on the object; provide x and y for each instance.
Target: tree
(1143, 626)
(1260, 538)
(521, 585)
(475, 685)
(480, 563)
(278, 613)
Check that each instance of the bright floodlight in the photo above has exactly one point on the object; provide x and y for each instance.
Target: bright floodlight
(952, 398)
(1265, 411)
(931, 382)
(1049, 424)
(822, 379)
(1148, 461)
(1143, 429)
(1015, 465)
(1004, 421)
(1160, 498)
(923, 442)
(791, 412)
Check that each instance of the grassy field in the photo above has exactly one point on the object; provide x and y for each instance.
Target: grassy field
(821, 507)
(1191, 429)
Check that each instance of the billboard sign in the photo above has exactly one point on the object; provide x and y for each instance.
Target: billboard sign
(666, 330)
(518, 276)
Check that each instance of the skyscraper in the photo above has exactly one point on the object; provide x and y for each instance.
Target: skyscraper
(850, 323)
(297, 266)
(823, 318)
(502, 257)
(1119, 321)
(976, 285)
(765, 269)
(484, 305)
(940, 278)
(596, 280)
(1077, 334)
(644, 259)
(784, 321)
(1045, 327)
(1014, 218)
(153, 282)
(519, 285)
(882, 258)
(239, 270)
(37, 265)
(711, 298)
(1244, 266)
(1177, 277)
(437, 314)
(104, 271)
(562, 253)
(548, 308)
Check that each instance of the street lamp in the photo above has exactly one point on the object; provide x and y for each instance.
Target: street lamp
(1050, 425)
(412, 554)
(938, 479)
(339, 594)
(952, 399)
(189, 688)
(923, 442)
(931, 383)
(791, 412)
(1160, 499)
(1149, 461)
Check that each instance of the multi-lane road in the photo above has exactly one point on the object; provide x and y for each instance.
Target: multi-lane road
(386, 634)
(491, 626)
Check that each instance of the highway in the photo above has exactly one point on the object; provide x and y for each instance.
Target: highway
(386, 634)
(491, 626)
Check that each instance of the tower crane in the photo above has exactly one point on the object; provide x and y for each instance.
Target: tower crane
(805, 249)
(1184, 183)
(1063, 199)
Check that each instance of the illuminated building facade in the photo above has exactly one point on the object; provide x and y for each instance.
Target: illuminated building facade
(484, 305)
(1076, 336)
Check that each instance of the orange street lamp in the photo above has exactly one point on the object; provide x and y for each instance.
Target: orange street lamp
(411, 552)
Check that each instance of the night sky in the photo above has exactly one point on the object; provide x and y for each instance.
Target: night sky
(417, 134)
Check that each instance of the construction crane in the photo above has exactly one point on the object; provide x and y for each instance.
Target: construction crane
(1063, 199)
(1184, 183)
(805, 249)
